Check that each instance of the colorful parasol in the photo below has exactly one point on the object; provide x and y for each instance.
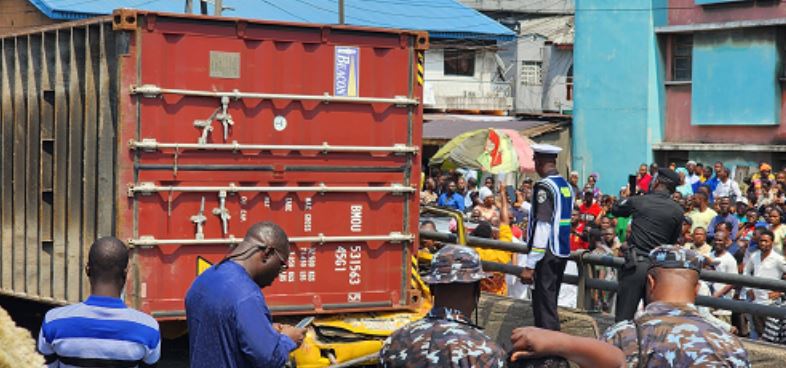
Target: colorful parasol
(490, 150)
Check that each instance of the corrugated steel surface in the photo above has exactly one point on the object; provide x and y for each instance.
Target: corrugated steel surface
(441, 18)
(57, 103)
(177, 133)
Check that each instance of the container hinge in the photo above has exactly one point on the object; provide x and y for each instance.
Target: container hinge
(199, 219)
(397, 237)
(222, 211)
(144, 241)
(399, 189)
(402, 149)
(147, 90)
(143, 188)
(402, 101)
(147, 144)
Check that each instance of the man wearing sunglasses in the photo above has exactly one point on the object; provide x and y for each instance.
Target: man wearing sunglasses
(229, 322)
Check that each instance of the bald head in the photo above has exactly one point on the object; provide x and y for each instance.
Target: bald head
(672, 285)
(268, 234)
(107, 260)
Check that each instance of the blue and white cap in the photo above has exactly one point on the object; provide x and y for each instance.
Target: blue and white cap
(546, 149)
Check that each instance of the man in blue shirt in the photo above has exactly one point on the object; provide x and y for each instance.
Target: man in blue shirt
(451, 198)
(724, 215)
(101, 331)
(229, 323)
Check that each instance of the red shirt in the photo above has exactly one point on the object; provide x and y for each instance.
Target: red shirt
(587, 214)
(644, 183)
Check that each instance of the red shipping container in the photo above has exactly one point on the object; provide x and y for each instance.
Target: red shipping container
(222, 123)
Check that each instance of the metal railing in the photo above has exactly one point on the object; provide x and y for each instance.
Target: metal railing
(585, 282)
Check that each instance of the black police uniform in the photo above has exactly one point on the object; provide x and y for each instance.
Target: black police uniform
(550, 269)
(656, 219)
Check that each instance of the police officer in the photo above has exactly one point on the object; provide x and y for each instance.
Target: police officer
(549, 236)
(671, 332)
(656, 219)
(446, 337)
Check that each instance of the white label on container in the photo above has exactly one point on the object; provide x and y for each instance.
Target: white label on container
(353, 298)
(288, 204)
(279, 123)
(341, 259)
(356, 218)
(355, 264)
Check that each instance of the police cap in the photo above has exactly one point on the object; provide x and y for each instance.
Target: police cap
(675, 256)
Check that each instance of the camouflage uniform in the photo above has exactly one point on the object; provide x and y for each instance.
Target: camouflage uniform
(675, 335)
(445, 337)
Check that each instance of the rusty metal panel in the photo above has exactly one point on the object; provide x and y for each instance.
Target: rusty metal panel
(46, 183)
(32, 194)
(6, 161)
(90, 146)
(19, 165)
(60, 163)
(76, 128)
(109, 44)
(57, 109)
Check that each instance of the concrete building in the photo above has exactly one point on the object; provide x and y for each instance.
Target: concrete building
(539, 64)
(465, 76)
(678, 80)
(544, 64)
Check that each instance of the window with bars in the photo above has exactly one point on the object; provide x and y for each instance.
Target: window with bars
(459, 62)
(682, 58)
(531, 73)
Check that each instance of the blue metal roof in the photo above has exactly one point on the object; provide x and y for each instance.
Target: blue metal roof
(441, 18)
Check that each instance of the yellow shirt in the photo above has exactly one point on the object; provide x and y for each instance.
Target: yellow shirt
(497, 283)
(702, 219)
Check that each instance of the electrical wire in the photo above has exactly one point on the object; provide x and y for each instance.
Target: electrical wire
(284, 10)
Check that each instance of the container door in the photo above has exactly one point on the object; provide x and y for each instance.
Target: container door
(313, 130)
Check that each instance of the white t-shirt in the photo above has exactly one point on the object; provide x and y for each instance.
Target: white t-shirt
(727, 189)
(727, 264)
(772, 267)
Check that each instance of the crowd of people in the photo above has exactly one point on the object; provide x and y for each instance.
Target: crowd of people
(737, 223)
(723, 225)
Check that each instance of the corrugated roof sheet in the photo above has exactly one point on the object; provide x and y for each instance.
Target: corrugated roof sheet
(441, 18)
(558, 29)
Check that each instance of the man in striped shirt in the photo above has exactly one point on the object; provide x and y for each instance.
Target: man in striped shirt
(101, 331)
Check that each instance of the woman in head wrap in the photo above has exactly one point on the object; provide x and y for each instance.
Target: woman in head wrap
(764, 175)
(684, 186)
(488, 210)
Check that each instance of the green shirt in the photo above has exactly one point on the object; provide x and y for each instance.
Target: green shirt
(622, 228)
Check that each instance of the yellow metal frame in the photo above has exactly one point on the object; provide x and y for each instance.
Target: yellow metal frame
(372, 328)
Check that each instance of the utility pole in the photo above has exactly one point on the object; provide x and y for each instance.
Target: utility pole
(218, 7)
(189, 6)
(340, 11)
